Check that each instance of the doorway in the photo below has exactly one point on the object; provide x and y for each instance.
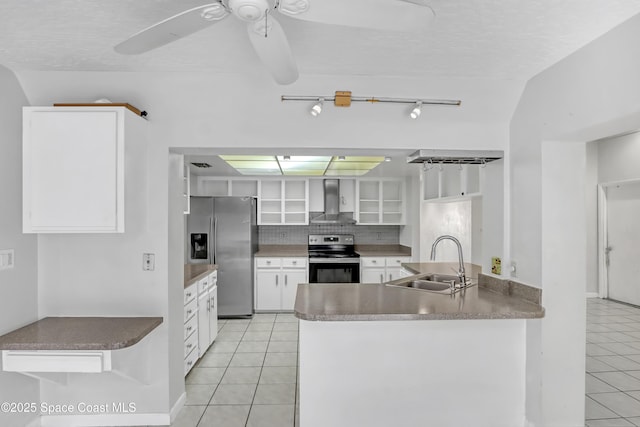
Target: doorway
(618, 247)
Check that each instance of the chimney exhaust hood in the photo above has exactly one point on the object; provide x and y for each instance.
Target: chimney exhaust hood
(458, 157)
(332, 214)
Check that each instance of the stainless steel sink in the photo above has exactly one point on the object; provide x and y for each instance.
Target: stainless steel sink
(427, 285)
(430, 282)
(445, 278)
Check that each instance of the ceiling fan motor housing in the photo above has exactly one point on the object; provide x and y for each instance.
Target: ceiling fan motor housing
(249, 10)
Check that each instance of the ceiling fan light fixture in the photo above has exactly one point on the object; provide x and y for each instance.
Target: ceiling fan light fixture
(417, 110)
(317, 107)
(249, 10)
(214, 13)
(293, 7)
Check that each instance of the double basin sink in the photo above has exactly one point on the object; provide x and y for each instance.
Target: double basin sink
(431, 282)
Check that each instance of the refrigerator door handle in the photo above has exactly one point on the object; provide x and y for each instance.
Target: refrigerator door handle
(215, 239)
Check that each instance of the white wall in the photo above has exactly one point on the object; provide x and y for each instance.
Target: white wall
(618, 158)
(453, 218)
(101, 275)
(18, 286)
(175, 291)
(591, 194)
(589, 95)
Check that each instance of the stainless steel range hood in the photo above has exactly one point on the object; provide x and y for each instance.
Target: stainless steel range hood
(332, 214)
(464, 157)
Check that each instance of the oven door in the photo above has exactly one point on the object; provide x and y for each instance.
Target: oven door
(329, 271)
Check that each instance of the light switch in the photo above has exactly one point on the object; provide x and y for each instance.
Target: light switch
(7, 259)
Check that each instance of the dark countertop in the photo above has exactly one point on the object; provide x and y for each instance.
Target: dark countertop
(383, 250)
(195, 272)
(371, 302)
(80, 333)
(282, 251)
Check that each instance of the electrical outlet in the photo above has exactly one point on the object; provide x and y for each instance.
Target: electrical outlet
(148, 262)
(513, 269)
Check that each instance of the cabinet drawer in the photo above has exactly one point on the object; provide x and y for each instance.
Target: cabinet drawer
(397, 261)
(203, 285)
(213, 278)
(294, 262)
(190, 309)
(190, 327)
(190, 360)
(190, 293)
(268, 262)
(372, 262)
(190, 344)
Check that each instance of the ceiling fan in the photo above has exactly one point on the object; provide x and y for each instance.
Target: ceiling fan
(265, 33)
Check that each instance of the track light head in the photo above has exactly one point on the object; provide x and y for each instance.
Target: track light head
(317, 107)
(417, 110)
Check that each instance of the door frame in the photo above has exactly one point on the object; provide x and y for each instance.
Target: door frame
(603, 235)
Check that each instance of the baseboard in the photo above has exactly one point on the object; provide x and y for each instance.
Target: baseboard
(105, 420)
(178, 406)
(593, 295)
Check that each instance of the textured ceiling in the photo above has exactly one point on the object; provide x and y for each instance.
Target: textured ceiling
(469, 38)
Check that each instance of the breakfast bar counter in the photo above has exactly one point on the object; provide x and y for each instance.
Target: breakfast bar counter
(408, 357)
(80, 333)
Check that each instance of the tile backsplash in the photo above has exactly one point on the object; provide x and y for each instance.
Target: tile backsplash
(298, 234)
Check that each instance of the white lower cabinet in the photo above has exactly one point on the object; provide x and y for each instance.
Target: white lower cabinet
(207, 312)
(381, 269)
(277, 282)
(190, 327)
(200, 318)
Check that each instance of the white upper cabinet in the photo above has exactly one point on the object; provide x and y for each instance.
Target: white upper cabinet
(74, 168)
(381, 201)
(283, 201)
(451, 181)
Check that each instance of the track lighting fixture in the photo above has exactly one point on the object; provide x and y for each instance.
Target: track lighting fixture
(344, 99)
(417, 110)
(317, 107)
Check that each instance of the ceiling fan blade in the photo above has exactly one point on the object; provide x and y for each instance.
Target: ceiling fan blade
(273, 50)
(173, 28)
(387, 15)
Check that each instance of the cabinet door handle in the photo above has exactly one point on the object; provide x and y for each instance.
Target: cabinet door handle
(189, 345)
(189, 329)
(189, 312)
(381, 278)
(390, 276)
(189, 363)
(268, 262)
(295, 262)
(208, 305)
(277, 280)
(212, 300)
(285, 280)
(188, 294)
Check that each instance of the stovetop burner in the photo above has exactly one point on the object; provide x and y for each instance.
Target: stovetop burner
(331, 246)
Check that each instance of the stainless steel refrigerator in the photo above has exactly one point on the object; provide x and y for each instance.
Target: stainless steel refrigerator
(224, 231)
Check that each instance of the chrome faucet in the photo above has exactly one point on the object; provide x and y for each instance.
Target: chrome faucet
(461, 273)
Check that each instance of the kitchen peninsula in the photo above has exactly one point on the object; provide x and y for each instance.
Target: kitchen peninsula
(377, 355)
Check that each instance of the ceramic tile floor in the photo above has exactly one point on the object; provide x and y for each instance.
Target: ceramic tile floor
(247, 378)
(613, 364)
